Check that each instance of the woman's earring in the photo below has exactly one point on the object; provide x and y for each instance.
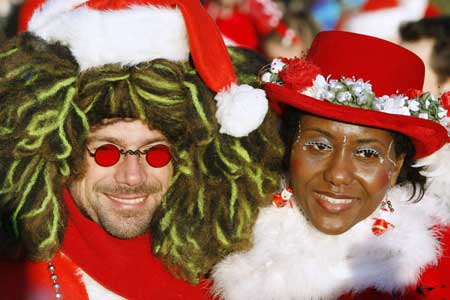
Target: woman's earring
(283, 198)
(380, 225)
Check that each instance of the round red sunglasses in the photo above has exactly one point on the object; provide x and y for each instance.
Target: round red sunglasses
(108, 155)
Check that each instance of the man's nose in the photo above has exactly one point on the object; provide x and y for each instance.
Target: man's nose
(130, 171)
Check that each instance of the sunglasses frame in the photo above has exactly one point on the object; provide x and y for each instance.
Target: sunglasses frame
(130, 152)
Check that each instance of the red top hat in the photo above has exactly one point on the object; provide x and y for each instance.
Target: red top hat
(130, 32)
(361, 80)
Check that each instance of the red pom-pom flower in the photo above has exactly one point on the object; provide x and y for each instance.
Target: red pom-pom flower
(445, 102)
(298, 74)
(413, 93)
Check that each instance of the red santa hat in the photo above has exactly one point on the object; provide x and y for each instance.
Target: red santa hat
(382, 18)
(129, 32)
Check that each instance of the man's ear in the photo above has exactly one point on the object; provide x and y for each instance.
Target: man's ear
(396, 169)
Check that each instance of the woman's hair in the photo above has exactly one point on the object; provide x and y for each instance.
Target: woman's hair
(402, 145)
(47, 109)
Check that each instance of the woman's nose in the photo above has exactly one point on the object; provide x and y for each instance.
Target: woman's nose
(339, 170)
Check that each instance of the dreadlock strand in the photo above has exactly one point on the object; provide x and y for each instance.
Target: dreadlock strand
(198, 107)
(25, 190)
(233, 198)
(8, 53)
(237, 147)
(58, 86)
(136, 101)
(9, 182)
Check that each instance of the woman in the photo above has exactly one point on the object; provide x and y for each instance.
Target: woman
(359, 220)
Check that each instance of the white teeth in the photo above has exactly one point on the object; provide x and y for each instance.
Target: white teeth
(334, 200)
(128, 201)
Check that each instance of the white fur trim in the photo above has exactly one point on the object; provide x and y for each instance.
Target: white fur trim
(437, 169)
(293, 260)
(95, 290)
(127, 37)
(241, 109)
(384, 23)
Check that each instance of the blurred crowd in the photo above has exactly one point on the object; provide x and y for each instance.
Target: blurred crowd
(287, 27)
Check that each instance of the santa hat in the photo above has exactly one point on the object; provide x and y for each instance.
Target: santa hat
(129, 32)
(382, 18)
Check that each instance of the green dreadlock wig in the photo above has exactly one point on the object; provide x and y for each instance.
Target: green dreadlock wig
(46, 110)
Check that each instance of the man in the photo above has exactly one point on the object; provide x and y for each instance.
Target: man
(429, 38)
(108, 128)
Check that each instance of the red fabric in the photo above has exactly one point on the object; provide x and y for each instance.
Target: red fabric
(126, 267)
(434, 283)
(31, 280)
(388, 67)
(379, 4)
(432, 11)
(249, 22)
(239, 28)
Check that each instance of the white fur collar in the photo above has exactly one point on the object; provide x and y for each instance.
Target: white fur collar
(292, 260)
(129, 36)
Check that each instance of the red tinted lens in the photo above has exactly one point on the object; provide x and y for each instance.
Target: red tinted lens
(107, 155)
(158, 156)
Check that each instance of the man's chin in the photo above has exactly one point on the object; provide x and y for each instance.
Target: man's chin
(124, 230)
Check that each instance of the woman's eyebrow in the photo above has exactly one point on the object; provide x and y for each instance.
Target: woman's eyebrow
(370, 140)
(326, 133)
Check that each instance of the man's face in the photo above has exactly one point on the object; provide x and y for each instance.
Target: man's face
(423, 48)
(123, 197)
(340, 172)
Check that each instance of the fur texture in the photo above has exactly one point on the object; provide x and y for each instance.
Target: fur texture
(289, 255)
(126, 37)
(241, 109)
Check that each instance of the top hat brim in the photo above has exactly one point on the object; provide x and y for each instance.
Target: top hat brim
(427, 136)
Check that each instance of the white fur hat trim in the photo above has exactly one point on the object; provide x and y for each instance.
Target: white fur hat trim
(128, 36)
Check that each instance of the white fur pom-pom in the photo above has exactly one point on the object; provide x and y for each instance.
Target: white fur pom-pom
(241, 109)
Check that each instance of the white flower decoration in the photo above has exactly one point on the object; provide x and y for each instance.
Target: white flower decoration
(344, 96)
(276, 66)
(414, 105)
(423, 116)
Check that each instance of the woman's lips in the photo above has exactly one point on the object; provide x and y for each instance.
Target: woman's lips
(333, 203)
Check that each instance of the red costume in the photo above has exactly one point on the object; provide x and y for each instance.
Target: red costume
(402, 249)
(94, 265)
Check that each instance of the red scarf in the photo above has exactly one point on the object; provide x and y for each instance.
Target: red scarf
(126, 267)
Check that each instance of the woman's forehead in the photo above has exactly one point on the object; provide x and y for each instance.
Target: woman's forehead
(335, 128)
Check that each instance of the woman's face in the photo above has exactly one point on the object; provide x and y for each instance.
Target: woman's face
(340, 172)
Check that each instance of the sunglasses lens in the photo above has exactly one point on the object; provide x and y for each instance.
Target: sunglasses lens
(158, 156)
(107, 155)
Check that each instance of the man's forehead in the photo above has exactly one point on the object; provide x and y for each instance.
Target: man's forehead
(125, 132)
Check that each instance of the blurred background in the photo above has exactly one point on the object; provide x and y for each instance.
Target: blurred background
(287, 27)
